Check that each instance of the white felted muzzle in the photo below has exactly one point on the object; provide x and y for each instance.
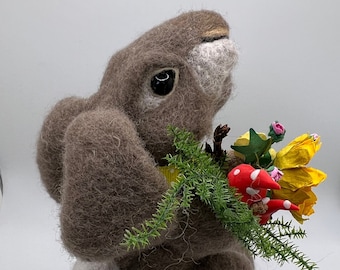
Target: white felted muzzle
(213, 63)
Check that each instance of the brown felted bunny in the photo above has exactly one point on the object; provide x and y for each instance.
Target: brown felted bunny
(98, 156)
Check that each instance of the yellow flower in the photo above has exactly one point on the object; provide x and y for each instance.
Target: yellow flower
(170, 172)
(297, 180)
(272, 153)
(243, 140)
(303, 197)
(298, 152)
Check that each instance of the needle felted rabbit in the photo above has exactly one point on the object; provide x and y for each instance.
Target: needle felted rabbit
(98, 156)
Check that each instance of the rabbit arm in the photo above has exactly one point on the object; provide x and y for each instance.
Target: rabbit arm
(110, 184)
(50, 145)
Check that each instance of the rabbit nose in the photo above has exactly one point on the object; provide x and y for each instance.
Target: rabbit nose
(215, 34)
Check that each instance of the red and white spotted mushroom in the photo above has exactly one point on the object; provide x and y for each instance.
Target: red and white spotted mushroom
(251, 183)
(253, 186)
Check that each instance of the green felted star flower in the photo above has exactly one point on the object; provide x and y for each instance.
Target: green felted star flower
(252, 148)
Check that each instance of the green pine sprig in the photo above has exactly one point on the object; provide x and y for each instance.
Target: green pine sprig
(201, 177)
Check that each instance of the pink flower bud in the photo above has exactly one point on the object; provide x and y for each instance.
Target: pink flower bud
(278, 128)
(314, 136)
(276, 174)
(276, 131)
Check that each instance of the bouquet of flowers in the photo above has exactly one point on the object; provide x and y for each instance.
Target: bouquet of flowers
(287, 168)
(244, 187)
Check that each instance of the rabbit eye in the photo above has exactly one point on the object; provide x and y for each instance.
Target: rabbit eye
(163, 82)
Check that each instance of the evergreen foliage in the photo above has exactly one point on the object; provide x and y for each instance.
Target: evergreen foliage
(201, 177)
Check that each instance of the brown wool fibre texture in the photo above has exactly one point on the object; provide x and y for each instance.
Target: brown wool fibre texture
(98, 156)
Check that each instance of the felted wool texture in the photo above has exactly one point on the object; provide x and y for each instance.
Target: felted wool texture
(50, 146)
(197, 238)
(81, 265)
(97, 156)
(167, 45)
(213, 62)
(125, 82)
(111, 184)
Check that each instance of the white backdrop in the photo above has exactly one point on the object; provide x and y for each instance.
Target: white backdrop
(289, 70)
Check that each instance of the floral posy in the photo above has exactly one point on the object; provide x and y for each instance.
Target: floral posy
(288, 168)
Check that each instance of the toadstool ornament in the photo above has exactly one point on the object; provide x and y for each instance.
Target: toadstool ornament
(98, 155)
(273, 205)
(253, 186)
(251, 183)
